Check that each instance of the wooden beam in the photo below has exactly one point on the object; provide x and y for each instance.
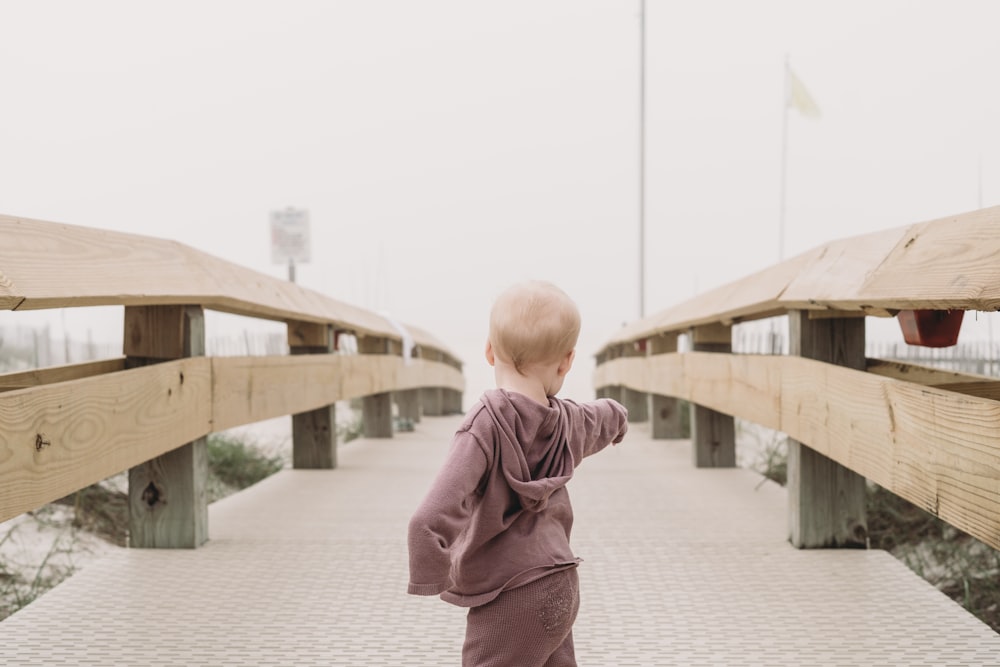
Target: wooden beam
(665, 411)
(408, 403)
(314, 432)
(982, 386)
(42, 376)
(880, 273)
(168, 506)
(826, 500)
(376, 409)
(713, 433)
(938, 449)
(58, 438)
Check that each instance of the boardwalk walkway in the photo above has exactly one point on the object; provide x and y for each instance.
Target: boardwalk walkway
(682, 567)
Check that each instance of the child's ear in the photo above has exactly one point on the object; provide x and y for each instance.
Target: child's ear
(566, 363)
(490, 358)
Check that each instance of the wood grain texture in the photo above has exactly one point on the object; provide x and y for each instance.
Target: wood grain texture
(937, 448)
(52, 374)
(947, 263)
(826, 500)
(58, 438)
(91, 428)
(168, 504)
(250, 389)
(53, 265)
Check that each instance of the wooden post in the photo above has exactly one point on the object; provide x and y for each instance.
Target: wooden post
(635, 401)
(168, 507)
(826, 501)
(713, 434)
(432, 398)
(665, 410)
(432, 401)
(314, 433)
(408, 404)
(600, 358)
(452, 401)
(376, 410)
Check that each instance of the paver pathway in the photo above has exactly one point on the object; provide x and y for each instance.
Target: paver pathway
(681, 567)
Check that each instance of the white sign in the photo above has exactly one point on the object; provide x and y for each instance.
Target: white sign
(290, 236)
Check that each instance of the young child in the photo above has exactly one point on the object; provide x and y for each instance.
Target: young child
(493, 532)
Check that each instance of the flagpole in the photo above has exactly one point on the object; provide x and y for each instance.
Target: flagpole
(784, 165)
(642, 158)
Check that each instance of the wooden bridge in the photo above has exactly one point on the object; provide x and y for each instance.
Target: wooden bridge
(688, 559)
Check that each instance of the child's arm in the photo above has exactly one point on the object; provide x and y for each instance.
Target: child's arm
(443, 515)
(595, 425)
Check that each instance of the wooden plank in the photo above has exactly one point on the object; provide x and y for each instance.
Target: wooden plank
(936, 448)
(835, 278)
(713, 433)
(52, 374)
(159, 332)
(376, 415)
(51, 265)
(314, 439)
(408, 403)
(168, 499)
(982, 386)
(946, 263)
(665, 416)
(310, 335)
(940, 264)
(89, 429)
(432, 400)
(168, 507)
(314, 432)
(251, 389)
(826, 501)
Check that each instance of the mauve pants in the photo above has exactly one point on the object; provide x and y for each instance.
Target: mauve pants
(527, 626)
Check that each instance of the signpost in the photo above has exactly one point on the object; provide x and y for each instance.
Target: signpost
(290, 238)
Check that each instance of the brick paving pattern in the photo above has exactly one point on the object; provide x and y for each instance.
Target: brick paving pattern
(681, 567)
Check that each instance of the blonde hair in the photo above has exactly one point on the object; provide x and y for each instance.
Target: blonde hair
(533, 322)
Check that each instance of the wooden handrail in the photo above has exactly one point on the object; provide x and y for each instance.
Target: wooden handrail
(930, 436)
(948, 263)
(53, 265)
(64, 428)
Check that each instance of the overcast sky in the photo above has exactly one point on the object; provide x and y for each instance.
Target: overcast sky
(445, 149)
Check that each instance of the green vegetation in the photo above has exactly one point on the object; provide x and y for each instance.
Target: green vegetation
(237, 465)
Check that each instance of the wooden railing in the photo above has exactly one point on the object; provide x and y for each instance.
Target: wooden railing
(930, 436)
(64, 428)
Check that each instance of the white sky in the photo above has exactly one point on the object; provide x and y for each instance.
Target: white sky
(445, 149)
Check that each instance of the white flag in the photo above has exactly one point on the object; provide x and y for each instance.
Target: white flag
(797, 97)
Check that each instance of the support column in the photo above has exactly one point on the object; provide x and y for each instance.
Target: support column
(376, 410)
(826, 501)
(432, 401)
(635, 401)
(168, 506)
(601, 392)
(314, 433)
(408, 404)
(713, 434)
(665, 413)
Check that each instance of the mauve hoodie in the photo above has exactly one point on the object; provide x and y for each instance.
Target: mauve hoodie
(498, 514)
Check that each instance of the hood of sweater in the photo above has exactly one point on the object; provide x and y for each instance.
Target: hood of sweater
(534, 454)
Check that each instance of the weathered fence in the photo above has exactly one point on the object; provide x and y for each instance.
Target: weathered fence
(148, 411)
(929, 435)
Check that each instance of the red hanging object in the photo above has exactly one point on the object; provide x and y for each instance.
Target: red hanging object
(930, 328)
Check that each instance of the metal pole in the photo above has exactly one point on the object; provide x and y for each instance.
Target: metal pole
(642, 158)
(784, 167)
(291, 269)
